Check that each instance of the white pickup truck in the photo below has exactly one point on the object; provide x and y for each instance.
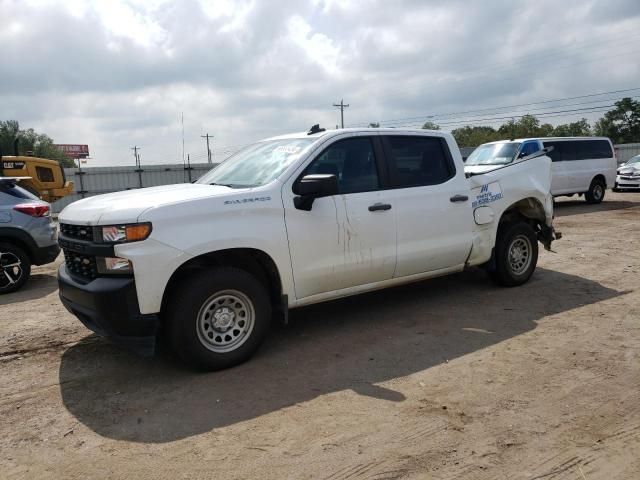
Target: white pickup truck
(291, 221)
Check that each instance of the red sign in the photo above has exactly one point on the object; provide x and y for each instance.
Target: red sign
(74, 151)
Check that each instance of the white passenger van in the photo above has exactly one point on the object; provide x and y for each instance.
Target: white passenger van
(581, 165)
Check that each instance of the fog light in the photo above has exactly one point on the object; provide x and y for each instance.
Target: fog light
(114, 266)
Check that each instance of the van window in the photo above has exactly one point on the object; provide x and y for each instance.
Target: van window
(566, 150)
(418, 161)
(528, 148)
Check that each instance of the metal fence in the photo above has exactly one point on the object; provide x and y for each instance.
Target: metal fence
(98, 180)
(625, 151)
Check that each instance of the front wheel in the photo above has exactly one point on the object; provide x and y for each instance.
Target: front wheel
(516, 254)
(595, 194)
(218, 318)
(15, 268)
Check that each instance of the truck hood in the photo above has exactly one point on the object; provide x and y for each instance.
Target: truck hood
(127, 206)
(626, 170)
(480, 168)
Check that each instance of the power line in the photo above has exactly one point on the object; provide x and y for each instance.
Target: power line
(342, 106)
(559, 113)
(462, 119)
(493, 109)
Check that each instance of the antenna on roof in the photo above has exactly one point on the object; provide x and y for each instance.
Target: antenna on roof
(315, 129)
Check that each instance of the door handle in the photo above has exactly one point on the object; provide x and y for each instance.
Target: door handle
(459, 198)
(379, 206)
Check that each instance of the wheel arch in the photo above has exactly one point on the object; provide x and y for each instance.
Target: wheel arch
(600, 177)
(529, 209)
(251, 260)
(20, 239)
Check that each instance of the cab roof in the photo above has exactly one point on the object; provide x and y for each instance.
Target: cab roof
(331, 133)
(544, 139)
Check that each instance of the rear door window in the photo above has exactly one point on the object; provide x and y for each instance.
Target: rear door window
(418, 161)
(558, 152)
(16, 191)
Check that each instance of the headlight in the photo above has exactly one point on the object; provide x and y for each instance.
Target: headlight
(114, 266)
(133, 232)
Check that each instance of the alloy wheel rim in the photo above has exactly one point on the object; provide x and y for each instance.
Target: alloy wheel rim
(520, 254)
(597, 192)
(10, 269)
(225, 321)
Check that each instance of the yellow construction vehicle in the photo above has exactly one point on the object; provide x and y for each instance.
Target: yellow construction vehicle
(46, 177)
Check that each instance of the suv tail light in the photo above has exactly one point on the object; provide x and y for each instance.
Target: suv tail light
(33, 209)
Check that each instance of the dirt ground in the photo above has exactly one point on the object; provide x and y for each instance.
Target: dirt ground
(452, 378)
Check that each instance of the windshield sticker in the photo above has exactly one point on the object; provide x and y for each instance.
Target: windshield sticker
(247, 200)
(289, 149)
(486, 194)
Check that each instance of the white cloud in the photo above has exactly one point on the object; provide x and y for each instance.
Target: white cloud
(316, 46)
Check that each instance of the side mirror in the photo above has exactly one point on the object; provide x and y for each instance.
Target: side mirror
(522, 154)
(314, 186)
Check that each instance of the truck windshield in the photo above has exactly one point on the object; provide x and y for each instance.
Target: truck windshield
(494, 154)
(257, 164)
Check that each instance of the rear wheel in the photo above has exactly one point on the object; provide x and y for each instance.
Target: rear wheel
(218, 318)
(595, 194)
(15, 268)
(516, 254)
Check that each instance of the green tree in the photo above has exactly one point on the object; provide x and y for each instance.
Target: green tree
(431, 126)
(526, 126)
(581, 128)
(545, 130)
(474, 136)
(39, 144)
(622, 123)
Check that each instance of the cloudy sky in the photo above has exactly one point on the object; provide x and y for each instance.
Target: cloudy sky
(118, 73)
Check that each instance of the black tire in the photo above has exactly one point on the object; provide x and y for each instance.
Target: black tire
(514, 239)
(596, 191)
(15, 268)
(190, 312)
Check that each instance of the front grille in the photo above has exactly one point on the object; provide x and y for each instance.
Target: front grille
(81, 265)
(77, 232)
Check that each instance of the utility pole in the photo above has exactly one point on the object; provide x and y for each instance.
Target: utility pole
(135, 155)
(138, 167)
(189, 166)
(341, 106)
(182, 122)
(207, 136)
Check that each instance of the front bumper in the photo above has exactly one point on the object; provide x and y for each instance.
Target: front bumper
(44, 255)
(625, 182)
(109, 307)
